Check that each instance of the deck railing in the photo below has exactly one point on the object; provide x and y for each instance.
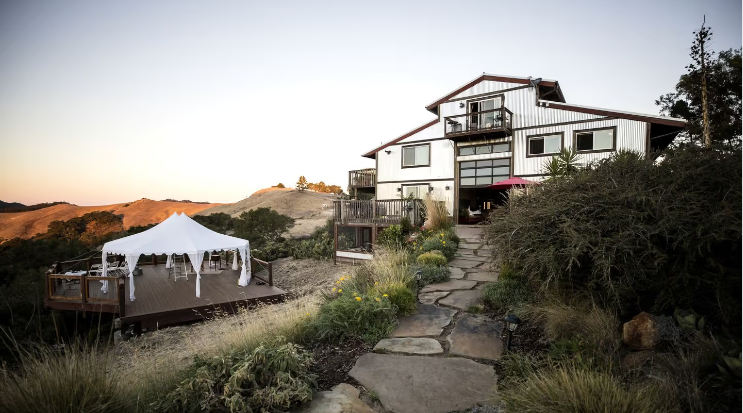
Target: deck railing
(75, 291)
(493, 120)
(362, 178)
(262, 270)
(384, 212)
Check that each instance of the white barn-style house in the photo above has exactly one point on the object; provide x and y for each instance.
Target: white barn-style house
(491, 129)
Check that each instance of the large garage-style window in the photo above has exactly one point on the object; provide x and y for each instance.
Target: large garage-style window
(418, 155)
(541, 145)
(484, 149)
(483, 173)
(596, 140)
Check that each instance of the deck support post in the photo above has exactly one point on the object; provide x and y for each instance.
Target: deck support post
(335, 244)
(270, 274)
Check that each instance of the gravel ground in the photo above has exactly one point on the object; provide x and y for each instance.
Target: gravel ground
(306, 276)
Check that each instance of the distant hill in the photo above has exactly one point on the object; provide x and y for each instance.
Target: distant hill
(6, 207)
(142, 212)
(305, 207)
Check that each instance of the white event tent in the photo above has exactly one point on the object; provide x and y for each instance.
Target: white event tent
(178, 234)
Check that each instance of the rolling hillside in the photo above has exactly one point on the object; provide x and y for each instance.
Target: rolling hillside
(305, 207)
(142, 212)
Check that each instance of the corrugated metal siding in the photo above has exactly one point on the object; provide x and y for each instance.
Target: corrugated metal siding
(486, 86)
(630, 135)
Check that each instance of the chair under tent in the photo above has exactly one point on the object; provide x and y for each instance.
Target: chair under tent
(178, 267)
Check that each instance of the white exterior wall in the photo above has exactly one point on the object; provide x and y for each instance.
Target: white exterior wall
(630, 135)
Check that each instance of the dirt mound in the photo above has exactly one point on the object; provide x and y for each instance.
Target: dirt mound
(306, 207)
(142, 212)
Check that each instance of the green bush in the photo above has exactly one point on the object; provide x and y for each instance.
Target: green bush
(447, 249)
(508, 271)
(406, 226)
(432, 274)
(370, 317)
(272, 378)
(320, 248)
(392, 236)
(647, 235)
(570, 389)
(432, 258)
(507, 294)
(271, 250)
(401, 297)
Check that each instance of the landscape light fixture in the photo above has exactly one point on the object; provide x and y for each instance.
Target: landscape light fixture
(512, 323)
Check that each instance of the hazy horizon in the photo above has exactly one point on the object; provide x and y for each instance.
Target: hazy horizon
(110, 102)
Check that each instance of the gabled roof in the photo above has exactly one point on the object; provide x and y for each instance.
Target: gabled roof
(499, 78)
(663, 120)
(371, 153)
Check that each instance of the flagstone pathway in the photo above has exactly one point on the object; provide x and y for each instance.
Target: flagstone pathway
(430, 362)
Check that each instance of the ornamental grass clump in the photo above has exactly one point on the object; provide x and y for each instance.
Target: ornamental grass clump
(350, 315)
(432, 258)
(437, 217)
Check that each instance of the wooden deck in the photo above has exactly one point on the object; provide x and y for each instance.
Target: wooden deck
(161, 301)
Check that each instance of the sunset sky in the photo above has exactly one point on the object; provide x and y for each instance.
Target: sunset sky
(111, 101)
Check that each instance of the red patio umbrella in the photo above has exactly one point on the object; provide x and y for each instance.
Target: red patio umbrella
(510, 183)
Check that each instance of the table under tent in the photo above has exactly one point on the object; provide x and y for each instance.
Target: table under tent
(170, 290)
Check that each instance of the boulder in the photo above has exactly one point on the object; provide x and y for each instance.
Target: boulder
(641, 333)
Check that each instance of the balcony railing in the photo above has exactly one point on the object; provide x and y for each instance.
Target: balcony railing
(384, 212)
(362, 178)
(493, 120)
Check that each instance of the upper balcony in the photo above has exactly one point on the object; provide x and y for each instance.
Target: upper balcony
(362, 178)
(496, 123)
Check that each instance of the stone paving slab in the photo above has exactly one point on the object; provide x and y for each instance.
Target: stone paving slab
(469, 246)
(430, 298)
(476, 337)
(429, 321)
(486, 276)
(419, 384)
(456, 273)
(344, 398)
(462, 300)
(464, 263)
(465, 253)
(408, 345)
(450, 285)
(474, 258)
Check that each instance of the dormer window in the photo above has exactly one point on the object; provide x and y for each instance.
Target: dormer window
(416, 156)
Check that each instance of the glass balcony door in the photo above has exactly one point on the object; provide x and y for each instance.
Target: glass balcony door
(486, 120)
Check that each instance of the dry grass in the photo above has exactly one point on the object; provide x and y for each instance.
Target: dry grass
(567, 388)
(437, 216)
(154, 363)
(587, 321)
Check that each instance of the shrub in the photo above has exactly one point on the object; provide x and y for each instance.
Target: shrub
(320, 248)
(508, 271)
(436, 213)
(401, 297)
(365, 316)
(516, 367)
(406, 226)
(392, 237)
(432, 258)
(447, 249)
(432, 274)
(568, 388)
(507, 294)
(271, 251)
(647, 236)
(272, 378)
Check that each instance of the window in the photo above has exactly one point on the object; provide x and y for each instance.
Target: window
(595, 140)
(416, 155)
(417, 191)
(544, 144)
(484, 149)
(482, 173)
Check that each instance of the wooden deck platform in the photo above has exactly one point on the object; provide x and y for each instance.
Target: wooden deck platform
(162, 301)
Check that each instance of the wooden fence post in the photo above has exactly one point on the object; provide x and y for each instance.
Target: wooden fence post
(270, 274)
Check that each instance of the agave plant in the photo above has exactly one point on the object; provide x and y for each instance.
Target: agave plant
(731, 365)
(563, 164)
(688, 319)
